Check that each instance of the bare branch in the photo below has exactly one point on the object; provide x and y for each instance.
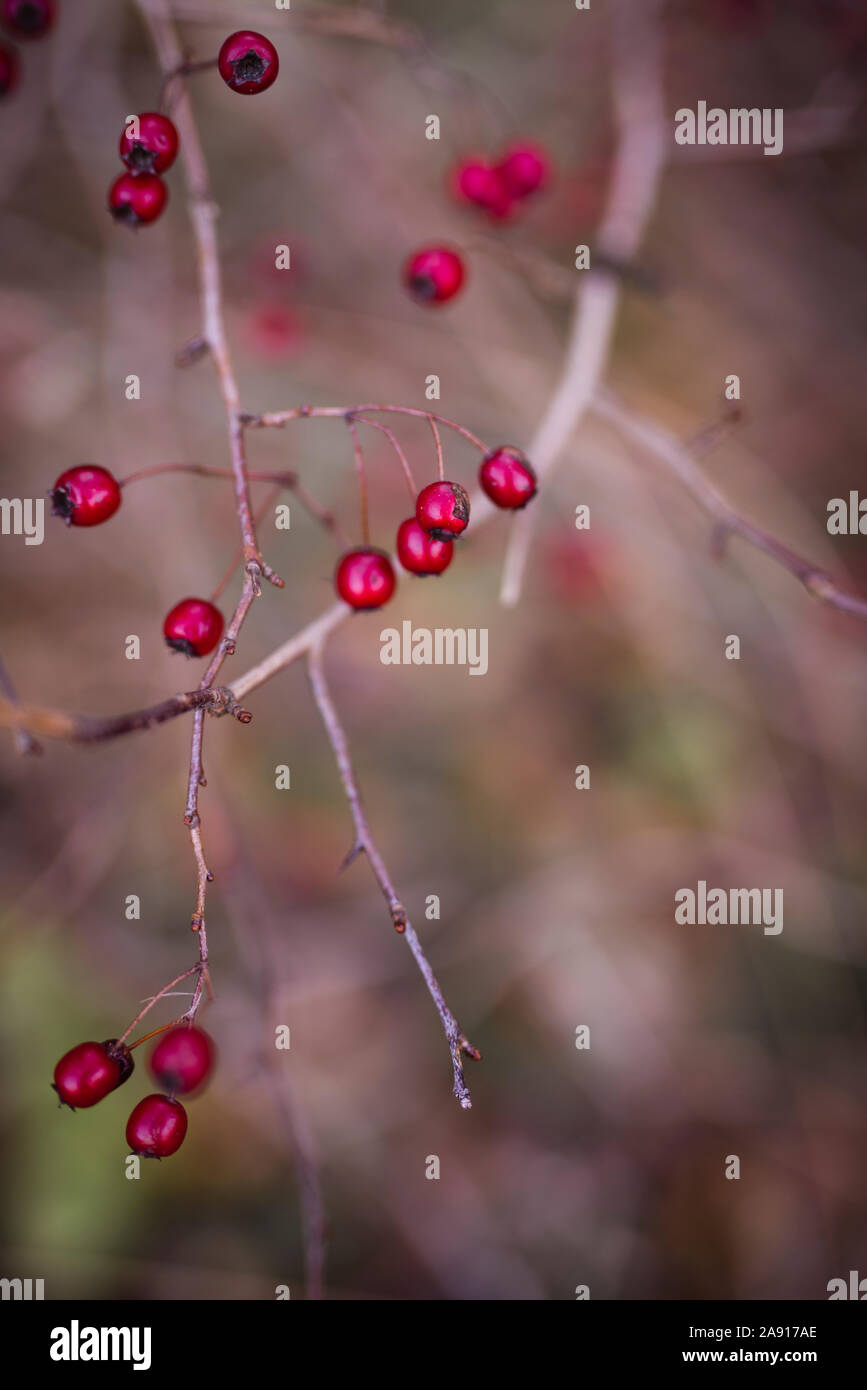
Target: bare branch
(637, 171)
(84, 728)
(680, 461)
(364, 842)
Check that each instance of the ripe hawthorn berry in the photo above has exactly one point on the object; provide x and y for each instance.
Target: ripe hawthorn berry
(507, 478)
(248, 62)
(443, 510)
(523, 170)
(477, 182)
(85, 495)
(157, 1127)
(364, 577)
(194, 626)
(156, 148)
(419, 551)
(9, 69)
(137, 199)
(182, 1060)
(27, 19)
(88, 1072)
(434, 274)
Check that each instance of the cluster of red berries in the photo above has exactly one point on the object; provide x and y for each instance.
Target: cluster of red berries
(365, 577)
(435, 274)
(23, 19)
(180, 1063)
(88, 495)
(248, 64)
(148, 147)
(497, 187)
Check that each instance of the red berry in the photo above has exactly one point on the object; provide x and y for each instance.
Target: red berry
(364, 577)
(85, 496)
(137, 198)
(443, 510)
(507, 478)
(248, 62)
(27, 19)
(88, 1072)
(523, 169)
(482, 184)
(156, 147)
(434, 274)
(182, 1059)
(9, 69)
(194, 627)
(419, 551)
(157, 1126)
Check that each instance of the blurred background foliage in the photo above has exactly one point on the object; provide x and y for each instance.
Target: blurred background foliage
(602, 1167)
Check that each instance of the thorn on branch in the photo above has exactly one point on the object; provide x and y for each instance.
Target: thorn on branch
(192, 352)
(350, 858)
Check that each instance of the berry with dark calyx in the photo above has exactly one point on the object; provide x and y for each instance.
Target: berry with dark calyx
(507, 478)
(482, 184)
(85, 495)
(90, 1071)
(155, 148)
(419, 551)
(27, 19)
(434, 274)
(137, 199)
(182, 1060)
(157, 1126)
(248, 62)
(364, 577)
(9, 69)
(524, 170)
(194, 626)
(443, 510)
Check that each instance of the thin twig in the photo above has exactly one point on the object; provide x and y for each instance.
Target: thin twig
(679, 459)
(364, 843)
(24, 740)
(276, 419)
(86, 728)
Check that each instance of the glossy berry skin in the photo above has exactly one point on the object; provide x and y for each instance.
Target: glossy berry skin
(137, 199)
(482, 184)
(90, 1071)
(27, 19)
(157, 1127)
(524, 170)
(9, 69)
(419, 551)
(194, 626)
(443, 510)
(156, 148)
(85, 496)
(182, 1060)
(507, 478)
(434, 274)
(364, 578)
(248, 62)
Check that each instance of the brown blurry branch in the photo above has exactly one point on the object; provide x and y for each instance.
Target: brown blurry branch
(329, 21)
(24, 741)
(680, 461)
(86, 728)
(638, 167)
(365, 844)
